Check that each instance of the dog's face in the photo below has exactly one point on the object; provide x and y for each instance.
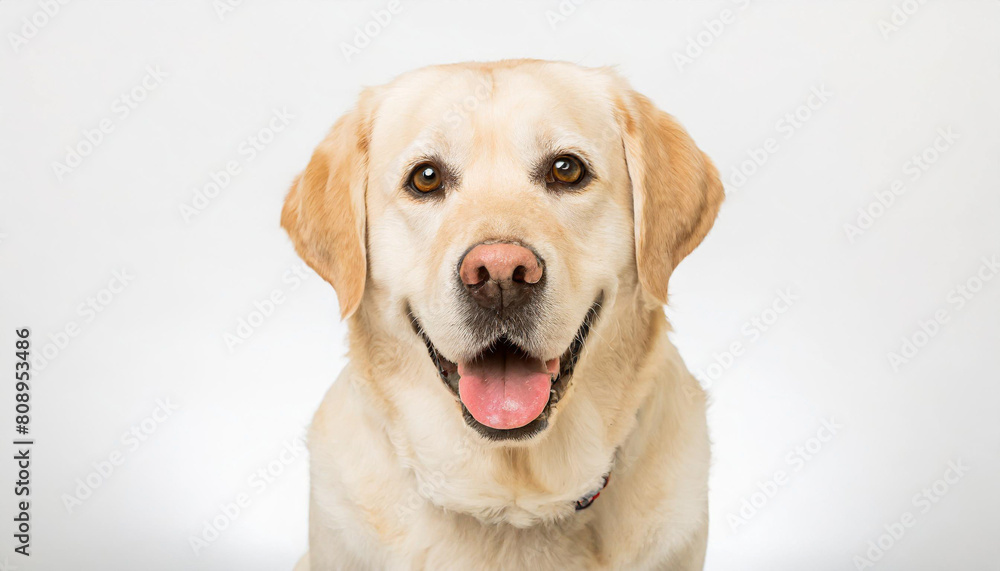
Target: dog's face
(494, 211)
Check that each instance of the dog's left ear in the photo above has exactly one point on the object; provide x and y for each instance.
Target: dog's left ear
(324, 213)
(676, 191)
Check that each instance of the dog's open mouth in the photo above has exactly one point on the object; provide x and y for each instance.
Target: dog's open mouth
(506, 393)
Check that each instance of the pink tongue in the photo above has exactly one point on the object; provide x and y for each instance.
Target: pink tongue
(506, 391)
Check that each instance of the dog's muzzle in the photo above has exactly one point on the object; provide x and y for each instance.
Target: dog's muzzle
(504, 391)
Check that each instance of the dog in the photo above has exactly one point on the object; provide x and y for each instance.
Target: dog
(500, 237)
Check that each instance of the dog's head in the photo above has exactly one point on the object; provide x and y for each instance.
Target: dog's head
(494, 212)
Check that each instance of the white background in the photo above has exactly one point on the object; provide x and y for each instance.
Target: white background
(824, 357)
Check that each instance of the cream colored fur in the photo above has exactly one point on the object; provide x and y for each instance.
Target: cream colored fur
(398, 480)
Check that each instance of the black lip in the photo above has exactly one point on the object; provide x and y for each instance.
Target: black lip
(448, 372)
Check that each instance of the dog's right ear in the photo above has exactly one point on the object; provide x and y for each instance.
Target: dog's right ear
(324, 213)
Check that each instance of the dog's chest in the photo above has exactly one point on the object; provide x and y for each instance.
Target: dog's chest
(459, 542)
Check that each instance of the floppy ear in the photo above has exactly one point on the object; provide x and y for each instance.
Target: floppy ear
(676, 191)
(324, 213)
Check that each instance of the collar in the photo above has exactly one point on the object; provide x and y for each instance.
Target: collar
(585, 502)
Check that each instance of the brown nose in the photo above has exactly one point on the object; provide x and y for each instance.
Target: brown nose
(500, 275)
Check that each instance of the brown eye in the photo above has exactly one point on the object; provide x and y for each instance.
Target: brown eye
(426, 178)
(567, 169)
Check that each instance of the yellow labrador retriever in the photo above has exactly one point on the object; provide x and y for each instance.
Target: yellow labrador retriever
(500, 237)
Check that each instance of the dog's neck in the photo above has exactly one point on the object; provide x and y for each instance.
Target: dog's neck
(521, 483)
